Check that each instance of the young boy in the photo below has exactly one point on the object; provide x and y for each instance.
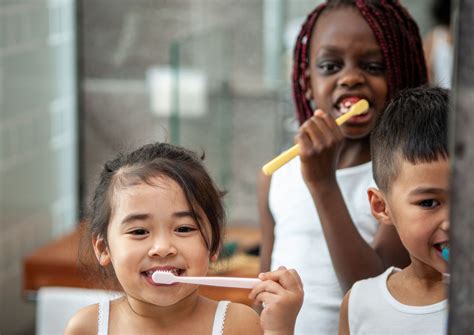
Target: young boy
(411, 170)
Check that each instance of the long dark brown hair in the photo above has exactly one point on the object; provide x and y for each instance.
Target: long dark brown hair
(141, 166)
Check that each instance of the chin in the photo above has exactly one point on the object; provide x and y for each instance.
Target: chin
(355, 136)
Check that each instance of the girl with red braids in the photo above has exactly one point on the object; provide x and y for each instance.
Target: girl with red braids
(314, 211)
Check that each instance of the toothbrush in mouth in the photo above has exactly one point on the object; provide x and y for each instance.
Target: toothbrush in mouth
(167, 278)
(445, 254)
(443, 249)
(268, 169)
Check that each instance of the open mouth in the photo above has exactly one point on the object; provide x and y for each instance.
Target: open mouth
(344, 105)
(441, 246)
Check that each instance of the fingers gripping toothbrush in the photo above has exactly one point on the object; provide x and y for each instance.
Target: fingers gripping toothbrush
(358, 108)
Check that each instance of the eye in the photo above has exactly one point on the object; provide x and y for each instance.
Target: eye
(429, 203)
(328, 66)
(138, 231)
(185, 229)
(375, 68)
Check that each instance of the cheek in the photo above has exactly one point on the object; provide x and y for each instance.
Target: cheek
(123, 251)
(416, 233)
(320, 87)
(198, 254)
(381, 88)
(321, 95)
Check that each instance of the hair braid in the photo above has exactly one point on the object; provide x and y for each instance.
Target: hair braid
(395, 31)
(301, 66)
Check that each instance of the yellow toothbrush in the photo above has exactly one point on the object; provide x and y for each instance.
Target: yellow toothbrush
(268, 169)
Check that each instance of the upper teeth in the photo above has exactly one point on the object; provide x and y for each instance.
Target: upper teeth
(345, 106)
(173, 271)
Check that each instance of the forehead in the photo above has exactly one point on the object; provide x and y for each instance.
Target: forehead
(158, 189)
(343, 28)
(433, 174)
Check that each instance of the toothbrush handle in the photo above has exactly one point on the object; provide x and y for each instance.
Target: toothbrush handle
(221, 281)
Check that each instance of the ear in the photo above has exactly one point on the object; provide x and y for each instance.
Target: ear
(214, 257)
(101, 251)
(379, 206)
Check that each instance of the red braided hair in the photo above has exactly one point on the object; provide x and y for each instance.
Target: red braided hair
(395, 31)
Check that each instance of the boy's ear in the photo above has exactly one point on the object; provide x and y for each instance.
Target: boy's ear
(379, 206)
(101, 251)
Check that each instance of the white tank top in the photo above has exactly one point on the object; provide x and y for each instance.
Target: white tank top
(300, 243)
(442, 58)
(373, 310)
(217, 327)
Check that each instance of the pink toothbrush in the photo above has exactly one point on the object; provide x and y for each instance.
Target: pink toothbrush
(167, 278)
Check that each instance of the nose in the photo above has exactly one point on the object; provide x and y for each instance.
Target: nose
(351, 77)
(445, 225)
(445, 219)
(163, 246)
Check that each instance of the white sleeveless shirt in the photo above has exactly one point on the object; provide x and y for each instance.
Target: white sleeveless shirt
(442, 58)
(217, 327)
(300, 243)
(373, 310)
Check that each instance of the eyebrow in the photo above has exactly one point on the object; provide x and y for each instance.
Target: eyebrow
(335, 49)
(427, 190)
(135, 217)
(143, 217)
(183, 214)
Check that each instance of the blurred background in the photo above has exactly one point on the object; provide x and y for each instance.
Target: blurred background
(83, 79)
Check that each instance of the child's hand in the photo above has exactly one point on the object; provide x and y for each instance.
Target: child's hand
(320, 140)
(281, 293)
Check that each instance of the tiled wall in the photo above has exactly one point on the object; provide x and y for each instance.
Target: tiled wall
(37, 141)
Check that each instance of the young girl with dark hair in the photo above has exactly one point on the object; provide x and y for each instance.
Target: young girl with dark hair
(314, 211)
(157, 209)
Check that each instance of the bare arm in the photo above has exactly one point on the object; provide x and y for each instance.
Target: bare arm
(266, 223)
(344, 315)
(353, 259)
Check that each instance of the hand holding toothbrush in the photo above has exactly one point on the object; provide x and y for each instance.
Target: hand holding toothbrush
(281, 292)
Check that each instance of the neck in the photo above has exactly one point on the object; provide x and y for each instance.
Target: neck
(417, 285)
(163, 315)
(354, 152)
(423, 273)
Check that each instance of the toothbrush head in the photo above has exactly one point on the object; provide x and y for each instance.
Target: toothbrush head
(163, 277)
(445, 254)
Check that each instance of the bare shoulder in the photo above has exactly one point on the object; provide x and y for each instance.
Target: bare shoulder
(84, 321)
(241, 319)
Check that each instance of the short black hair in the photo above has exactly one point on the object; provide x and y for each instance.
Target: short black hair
(413, 127)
